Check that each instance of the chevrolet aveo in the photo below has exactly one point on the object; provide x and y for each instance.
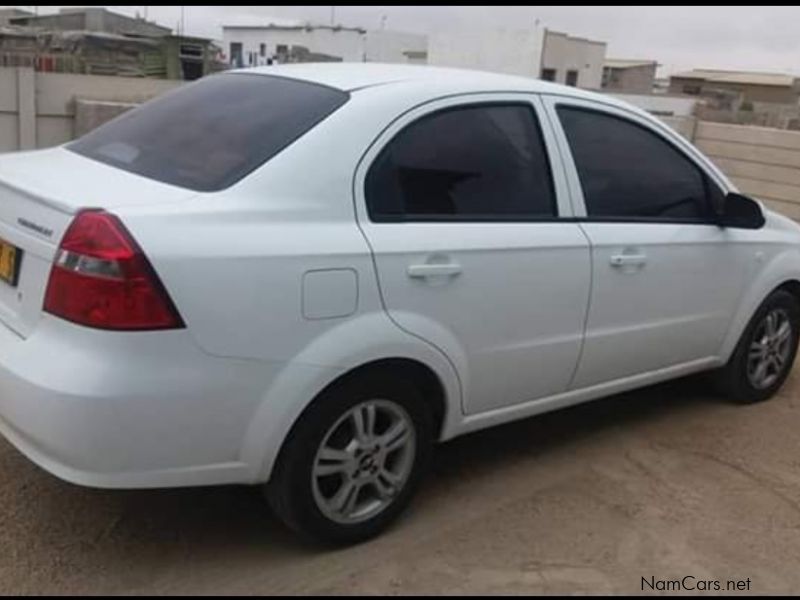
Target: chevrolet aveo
(305, 276)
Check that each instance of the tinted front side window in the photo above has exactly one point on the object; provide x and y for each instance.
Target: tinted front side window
(627, 171)
(209, 134)
(472, 163)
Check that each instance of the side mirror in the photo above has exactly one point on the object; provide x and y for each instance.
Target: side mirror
(740, 211)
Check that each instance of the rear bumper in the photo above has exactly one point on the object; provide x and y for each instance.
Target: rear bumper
(127, 410)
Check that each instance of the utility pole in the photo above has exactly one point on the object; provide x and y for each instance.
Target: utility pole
(183, 23)
(333, 16)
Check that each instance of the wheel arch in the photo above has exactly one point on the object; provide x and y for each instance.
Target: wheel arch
(334, 358)
(792, 286)
(419, 374)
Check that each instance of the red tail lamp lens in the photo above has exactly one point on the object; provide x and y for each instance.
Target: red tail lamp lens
(102, 279)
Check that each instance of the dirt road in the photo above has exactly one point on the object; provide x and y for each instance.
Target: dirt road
(662, 483)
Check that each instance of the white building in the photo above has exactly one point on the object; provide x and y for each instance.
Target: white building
(383, 45)
(253, 44)
(517, 52)
(531, 52)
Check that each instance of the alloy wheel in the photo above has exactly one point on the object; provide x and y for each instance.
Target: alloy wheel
(769, 350)
(364, 461)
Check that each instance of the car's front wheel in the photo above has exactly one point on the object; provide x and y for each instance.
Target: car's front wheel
(765, 352)
(354, 459)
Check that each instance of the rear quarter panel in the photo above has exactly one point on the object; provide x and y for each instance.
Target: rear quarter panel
(234, 263)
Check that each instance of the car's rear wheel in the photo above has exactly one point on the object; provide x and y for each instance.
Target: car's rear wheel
(765, 352)
(353, 460)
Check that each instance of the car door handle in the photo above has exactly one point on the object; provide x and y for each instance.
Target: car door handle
(621, 260)
(434, 270)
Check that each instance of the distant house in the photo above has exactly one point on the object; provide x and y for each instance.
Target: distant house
(6, 14)
(531, 52)
(629, 76)
(256, 43)
(92, 19)
(511, 51)
(390, 46)
(96, 41)
(752, 86)
(572, 60)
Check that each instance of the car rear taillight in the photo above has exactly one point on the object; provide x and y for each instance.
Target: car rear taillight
(101, 278)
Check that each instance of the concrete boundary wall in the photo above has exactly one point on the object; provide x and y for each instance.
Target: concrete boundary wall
(686, 126)
(38, 110)
(761, 162)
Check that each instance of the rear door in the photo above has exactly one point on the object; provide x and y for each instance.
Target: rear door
(462, 202)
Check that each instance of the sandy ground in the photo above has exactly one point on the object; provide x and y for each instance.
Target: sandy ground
(665, 482)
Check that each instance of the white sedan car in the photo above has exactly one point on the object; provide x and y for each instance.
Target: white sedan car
(305, 276)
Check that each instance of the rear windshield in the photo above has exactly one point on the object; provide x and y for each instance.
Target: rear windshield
(208, 134)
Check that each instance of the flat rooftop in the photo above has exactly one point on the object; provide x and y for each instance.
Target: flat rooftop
(741, 77)
(628, 63)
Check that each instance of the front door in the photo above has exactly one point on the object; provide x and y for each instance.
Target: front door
(461, 207)
(666, 278)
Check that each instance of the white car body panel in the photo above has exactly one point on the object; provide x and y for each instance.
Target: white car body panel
(285, 285)
(641, 317)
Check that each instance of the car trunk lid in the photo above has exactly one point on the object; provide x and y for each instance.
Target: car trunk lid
(40, 192)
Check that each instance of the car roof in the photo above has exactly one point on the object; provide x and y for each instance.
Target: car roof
(354, 76)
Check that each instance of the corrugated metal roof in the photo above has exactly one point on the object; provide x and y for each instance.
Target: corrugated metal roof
(741, 77)
(622, 63)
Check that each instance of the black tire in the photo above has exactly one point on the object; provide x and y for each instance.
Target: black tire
(732, 380)
(290, 492)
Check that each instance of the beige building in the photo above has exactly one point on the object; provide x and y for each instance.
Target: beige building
(629, 76)
(574, 61)
(753, 87)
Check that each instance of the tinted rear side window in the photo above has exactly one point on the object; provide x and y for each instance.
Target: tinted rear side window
(207, 135)
(476, 163)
